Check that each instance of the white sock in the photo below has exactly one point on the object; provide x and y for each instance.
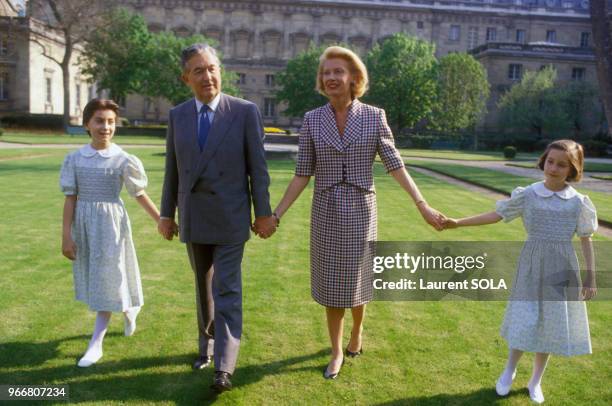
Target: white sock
(509, 373)
(130, 320)
(94, 350)
(534, 385)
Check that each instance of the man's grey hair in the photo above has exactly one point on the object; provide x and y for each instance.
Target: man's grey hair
(194, 49)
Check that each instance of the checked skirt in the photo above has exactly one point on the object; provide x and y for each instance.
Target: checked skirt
(343, 220)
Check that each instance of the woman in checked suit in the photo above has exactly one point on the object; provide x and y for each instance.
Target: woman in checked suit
(338, 145)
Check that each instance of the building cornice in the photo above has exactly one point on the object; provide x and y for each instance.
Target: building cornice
(533, 51)
(376, 9)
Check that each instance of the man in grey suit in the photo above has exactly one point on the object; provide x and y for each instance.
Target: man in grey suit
(215, 168)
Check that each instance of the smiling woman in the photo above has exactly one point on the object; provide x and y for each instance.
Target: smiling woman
(338, 144)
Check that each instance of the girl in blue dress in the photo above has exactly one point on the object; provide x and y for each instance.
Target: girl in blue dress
(538, 319)
(96, 233)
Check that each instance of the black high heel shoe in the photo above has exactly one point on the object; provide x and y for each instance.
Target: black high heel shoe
(353, 354)
(332, 376)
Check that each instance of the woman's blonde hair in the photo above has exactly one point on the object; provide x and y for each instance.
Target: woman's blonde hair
(356, 66)
(575, 154)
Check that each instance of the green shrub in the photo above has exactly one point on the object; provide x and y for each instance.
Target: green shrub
(509, 152)
(595, 148)
(42, 121)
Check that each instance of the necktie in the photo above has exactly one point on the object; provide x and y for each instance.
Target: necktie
(204, 127)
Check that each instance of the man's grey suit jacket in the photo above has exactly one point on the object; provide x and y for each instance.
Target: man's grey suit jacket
(213, 190)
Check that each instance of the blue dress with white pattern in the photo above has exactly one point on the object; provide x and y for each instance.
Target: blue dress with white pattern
(541, 315)
(106, 273)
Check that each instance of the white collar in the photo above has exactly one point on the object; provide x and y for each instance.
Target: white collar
(214, 103)
(543, 191)
(88, 151)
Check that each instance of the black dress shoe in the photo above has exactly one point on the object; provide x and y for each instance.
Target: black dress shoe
(222, 382)
(202, 362)
(353, 354)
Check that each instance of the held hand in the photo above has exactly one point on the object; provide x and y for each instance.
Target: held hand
(69, 248)
(589, 287)
(450, 223)
(432, 216)
(264, 227)
(167, 228)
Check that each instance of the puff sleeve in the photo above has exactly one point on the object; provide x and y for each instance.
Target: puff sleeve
(68, 181)
(134, 176)
(587, 219)
(306, 160)
(512, 208)
(385, 147)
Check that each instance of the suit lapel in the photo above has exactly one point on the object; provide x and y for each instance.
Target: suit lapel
(329, 129)
(353, 127)
(191, 133)
(221, 124)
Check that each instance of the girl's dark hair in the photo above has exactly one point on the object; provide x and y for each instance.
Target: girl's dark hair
(98, 104)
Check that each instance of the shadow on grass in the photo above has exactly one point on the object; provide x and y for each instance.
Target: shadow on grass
(480, 397)
(137, 379)
(20, 354)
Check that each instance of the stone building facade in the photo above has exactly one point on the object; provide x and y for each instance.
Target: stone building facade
(257, 38)
(31, 82)
(506, 62)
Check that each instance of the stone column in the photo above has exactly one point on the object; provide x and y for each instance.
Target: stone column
(227, 43)
(257, 46)
(286, 36)
(168, 19)
(345, 24)
(375, 30)
(316, 19)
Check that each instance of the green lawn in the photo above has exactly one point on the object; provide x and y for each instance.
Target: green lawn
(415, 353)
(588, 166)
(32, 138)
(505, 182)
(602, 177)
(464, 155)
(30, 153)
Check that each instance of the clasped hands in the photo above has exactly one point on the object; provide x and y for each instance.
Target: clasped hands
(265, 226)
(436, 219)
(167, 228)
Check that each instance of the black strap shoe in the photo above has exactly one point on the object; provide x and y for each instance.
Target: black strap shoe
(222, 382)
(202, 362)
(353, 354)
(327, 375)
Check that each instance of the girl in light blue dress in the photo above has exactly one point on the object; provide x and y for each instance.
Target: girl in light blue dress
(540, 317)
(96, 233)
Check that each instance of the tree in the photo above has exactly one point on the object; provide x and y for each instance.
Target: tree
(581, 106)
(535, 104)
(125, 58)
(402, 79)
(75, 19)
(162, 74)
(601, 26)
(297, 83)
(115, 54)
(462, 93)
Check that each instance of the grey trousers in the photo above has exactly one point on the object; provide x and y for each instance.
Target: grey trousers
(218, 280)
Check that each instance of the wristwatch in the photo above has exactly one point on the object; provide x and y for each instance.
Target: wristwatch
(277, 218)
